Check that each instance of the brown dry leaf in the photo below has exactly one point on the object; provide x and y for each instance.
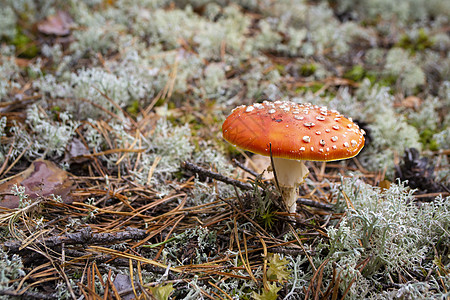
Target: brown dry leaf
(22, 62)
(43, 178)
(77, 151)
(412, 102)
(58, 24)
(385, 184)
(123, 283)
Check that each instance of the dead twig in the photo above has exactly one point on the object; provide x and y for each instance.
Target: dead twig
(202, 171)
(84, 237)
(27, 294)
(312, 203)
(246, 186)
(248, 170)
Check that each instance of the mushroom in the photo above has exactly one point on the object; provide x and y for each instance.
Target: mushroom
(292, 133)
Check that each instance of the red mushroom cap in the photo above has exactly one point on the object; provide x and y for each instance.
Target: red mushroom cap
(295, 131)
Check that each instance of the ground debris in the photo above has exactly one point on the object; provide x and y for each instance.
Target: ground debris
(419, 173)
(41, 179)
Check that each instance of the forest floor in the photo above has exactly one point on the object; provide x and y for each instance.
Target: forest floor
(116, 183)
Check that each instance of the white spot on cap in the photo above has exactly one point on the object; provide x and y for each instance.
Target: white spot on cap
(350, 119)
(272, 111)
(312, 148)
(321, 150)
(335, 127)
(349, 125)
(320, 118)
(353, 142)
(310, 124)
(322, 142)
(318, 132)
(240, 106)
(302, 148)
(334, 147)
(334, 138)
(337, 119)
(346, 144)
(298, 117)
(327, 130)
(328, 149)
(285, 108)
(258, 105)
(307, 139)
(249, 108)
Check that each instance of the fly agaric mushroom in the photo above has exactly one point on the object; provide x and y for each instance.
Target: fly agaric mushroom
(293, 133)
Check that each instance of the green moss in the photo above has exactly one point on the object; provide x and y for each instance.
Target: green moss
(133, 108)
(280, 68)
(160, 102)
(268, 218)
(372, 77)
(77, 275)
(388, 80)
(313, 88)
(419, 43)
(25, 46)
(307, 69)
(357, 73)
(171, 105)
(56, 108)
(426, 139)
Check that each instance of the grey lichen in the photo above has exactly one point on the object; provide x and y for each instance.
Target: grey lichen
(387, 228)
(11, 268)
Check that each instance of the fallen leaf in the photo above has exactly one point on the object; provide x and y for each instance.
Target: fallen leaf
(270, 294)
(385, 184)
(412, 102)
(123, 283)
(277, 268)
(76, 152)
(162, 292)
(58, 24)
(22, 62)
(42, 179)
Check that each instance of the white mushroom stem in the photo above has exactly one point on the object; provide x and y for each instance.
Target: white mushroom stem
(290, 174)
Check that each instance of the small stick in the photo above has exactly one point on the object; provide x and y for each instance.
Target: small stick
(248, 170)
(202, 171)
(28, 294)
(83, 237)
(245, 186)
(313, 203)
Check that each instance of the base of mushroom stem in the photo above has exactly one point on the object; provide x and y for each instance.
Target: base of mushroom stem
(290, 173)
(289, 195)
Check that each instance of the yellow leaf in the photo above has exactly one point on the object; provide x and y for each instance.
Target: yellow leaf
(270, 294)
(277, 268)
(162, 292)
